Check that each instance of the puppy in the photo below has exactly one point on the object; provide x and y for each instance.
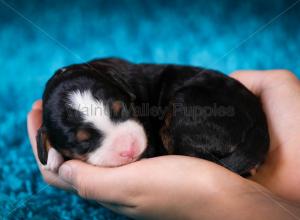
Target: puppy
(92, 112)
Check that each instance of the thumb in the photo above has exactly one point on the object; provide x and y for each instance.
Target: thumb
(259, 81)
(252, 79)
(96, 183)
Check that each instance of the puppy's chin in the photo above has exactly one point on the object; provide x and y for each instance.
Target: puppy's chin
(111, 159)
(112, 162)
(114, 159)
(125, 144)
(109, 155)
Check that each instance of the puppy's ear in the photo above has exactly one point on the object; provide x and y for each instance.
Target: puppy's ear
(121, 83)
(43, 145)
(114, 67)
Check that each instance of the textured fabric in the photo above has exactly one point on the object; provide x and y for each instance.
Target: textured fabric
(37, 37)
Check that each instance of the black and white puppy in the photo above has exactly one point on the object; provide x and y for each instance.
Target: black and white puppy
(86, 116)
(92, 112)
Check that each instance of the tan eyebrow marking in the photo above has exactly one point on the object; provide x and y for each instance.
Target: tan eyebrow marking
(117, 106)
(82, 135)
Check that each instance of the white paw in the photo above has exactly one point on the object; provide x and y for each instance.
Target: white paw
(55, 159)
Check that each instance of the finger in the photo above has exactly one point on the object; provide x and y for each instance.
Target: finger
(33, 124)
(54, 180)
(34, 121)
(260, 81)
(250, 78)
(109, 185)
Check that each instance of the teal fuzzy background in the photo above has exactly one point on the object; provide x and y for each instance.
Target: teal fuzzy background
(37, 37)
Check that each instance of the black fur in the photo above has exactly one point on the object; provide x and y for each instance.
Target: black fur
(233, 133)
(236, 137)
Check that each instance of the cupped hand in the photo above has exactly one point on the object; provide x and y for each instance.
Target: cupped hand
(178, 187)
(279, 91)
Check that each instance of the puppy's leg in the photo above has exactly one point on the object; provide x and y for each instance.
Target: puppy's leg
(55, 159)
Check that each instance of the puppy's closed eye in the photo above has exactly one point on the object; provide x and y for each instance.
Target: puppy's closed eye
(83, 135)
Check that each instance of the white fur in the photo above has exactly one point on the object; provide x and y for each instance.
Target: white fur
(54, 160)
(105, 155)
(95, 112)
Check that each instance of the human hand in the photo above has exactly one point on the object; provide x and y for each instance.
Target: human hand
(169, 187)
(279, 91)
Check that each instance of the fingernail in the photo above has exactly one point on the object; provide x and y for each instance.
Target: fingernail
(65, 172)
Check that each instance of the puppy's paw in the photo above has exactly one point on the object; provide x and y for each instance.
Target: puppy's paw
(55, 159)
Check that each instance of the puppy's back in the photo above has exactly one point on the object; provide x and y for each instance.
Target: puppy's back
(214, 117)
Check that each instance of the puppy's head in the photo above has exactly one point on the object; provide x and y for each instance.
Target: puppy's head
(88, 115)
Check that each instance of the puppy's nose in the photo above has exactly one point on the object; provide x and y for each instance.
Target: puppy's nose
(130, 151)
